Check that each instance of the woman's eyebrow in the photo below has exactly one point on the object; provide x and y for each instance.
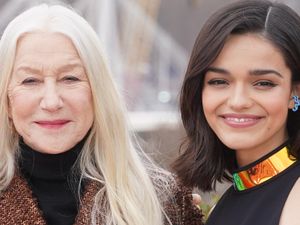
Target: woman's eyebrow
(258, 72)
(217, 70)
(255, 72)
(68, 67)
(63, 68)
(28, 69)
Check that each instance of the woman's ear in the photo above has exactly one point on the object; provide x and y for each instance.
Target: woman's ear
(9, 111)
(9, 107)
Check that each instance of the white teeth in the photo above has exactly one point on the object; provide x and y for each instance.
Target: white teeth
(239, 120)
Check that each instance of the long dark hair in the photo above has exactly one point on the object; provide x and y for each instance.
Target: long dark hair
(205, 159)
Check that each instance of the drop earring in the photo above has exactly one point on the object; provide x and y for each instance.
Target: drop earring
(296, 103)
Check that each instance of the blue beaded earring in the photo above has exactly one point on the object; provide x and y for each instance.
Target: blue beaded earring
(296, 103)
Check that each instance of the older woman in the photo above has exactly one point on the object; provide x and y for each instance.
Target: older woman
(67, 156)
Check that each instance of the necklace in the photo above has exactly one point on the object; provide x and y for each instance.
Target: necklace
(263, 170)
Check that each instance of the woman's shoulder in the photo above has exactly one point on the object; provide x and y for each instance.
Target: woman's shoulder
(290, 213)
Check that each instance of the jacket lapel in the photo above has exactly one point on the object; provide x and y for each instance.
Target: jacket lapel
(84, 214)
(18, 206)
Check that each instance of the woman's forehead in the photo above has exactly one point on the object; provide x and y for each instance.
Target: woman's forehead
(45, 42)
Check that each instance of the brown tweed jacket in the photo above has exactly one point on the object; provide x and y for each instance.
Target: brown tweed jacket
(19, 207)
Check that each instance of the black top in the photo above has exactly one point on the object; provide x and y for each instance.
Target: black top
(259, 205)
(53, 182)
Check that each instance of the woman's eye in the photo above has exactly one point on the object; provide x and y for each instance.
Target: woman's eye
(70, 78)
(265, 84)
(30, 81)
(217, 82)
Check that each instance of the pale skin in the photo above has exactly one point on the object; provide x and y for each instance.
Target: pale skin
(50, 100)
(196, 199)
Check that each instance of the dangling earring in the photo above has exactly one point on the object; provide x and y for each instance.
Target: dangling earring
(296, 103)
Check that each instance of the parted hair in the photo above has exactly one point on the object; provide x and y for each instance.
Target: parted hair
(204, 159)
(109, 156)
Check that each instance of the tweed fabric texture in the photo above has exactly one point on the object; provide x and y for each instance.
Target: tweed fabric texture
(18, 206)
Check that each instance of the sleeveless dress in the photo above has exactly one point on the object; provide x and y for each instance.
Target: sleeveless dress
(261, 204)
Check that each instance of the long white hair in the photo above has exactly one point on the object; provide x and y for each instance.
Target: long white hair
(109, 155)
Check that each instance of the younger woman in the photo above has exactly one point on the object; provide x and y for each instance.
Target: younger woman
(240, 108)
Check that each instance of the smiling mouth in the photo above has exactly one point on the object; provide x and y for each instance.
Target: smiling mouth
(54, 124)
(241, 121)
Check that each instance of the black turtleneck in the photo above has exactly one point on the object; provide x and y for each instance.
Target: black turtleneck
(53, 182)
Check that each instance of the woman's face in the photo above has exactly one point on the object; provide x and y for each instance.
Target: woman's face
(50, 100)
(246, 96)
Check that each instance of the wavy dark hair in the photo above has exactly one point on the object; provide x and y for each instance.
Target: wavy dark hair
(204, 159)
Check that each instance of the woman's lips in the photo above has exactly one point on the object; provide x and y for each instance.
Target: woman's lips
(240, 121)
(52, 124)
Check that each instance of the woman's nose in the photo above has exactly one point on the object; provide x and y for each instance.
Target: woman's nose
(239, 98)
(51, 99)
